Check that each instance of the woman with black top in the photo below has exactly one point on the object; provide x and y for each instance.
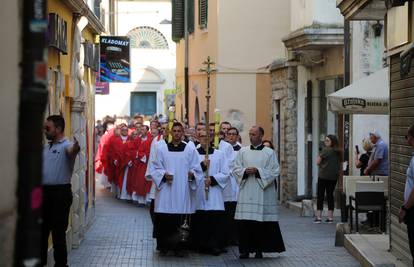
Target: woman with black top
(362, 162)
(329, 162)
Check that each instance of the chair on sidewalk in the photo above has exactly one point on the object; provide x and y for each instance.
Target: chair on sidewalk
(369, 198)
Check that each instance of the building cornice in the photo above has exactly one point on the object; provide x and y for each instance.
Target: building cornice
(81, 8)
(314, 38)
(362, 9)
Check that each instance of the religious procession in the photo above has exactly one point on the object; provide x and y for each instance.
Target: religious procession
(204, 191)
(188, 133)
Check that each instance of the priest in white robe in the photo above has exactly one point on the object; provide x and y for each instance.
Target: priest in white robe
(158, 136)
(256, 169)
(209, 218)
(231, 191)
(175, 172)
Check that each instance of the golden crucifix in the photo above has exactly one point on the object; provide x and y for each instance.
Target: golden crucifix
(208, 70)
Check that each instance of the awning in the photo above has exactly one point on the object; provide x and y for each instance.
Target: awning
(369, 95)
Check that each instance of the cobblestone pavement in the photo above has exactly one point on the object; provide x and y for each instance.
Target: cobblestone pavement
(121, 235)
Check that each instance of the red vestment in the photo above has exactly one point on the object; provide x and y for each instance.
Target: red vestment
(140, 185)
(132, 148)
(116, 160)
(101, 158)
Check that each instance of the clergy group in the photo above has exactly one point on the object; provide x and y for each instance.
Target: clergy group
(204, 196)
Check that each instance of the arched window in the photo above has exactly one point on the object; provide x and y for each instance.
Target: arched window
(146, 37)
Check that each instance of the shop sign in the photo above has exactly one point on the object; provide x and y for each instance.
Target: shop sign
(57, 33)
(114, 59)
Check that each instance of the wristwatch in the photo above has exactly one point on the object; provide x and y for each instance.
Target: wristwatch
(404, 208)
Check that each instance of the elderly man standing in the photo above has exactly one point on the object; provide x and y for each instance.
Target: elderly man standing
(256, 169)
(378, 161)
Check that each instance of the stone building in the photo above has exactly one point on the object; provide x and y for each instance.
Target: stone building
(241, 49)
(284, 92)
(301, 81)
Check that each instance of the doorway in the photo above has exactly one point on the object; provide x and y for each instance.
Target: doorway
(276, 137)
(144, 103)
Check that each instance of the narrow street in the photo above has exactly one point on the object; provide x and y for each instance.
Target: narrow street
(121, 236)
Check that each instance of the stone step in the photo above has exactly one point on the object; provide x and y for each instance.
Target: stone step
(371, 250)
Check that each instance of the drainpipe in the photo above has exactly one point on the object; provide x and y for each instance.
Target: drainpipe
(186, 85)
(309, 192)
(33, 99)
(344, 123)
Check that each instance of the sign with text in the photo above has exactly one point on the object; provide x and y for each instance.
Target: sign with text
(58, 33)
(115, 59)
(101, 88)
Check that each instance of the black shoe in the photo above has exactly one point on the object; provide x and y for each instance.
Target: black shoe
(163, 252)
(244, 256)
(329, 220)
(259, 255)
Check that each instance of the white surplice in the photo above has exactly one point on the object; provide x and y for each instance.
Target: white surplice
(219, 170)
(231, 190)
(174, 197)
(152, 158)
(257, 196)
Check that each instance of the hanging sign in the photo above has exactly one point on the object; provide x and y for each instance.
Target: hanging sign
(115, 59)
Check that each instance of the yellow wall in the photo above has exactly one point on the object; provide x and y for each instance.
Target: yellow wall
(264, 103)
(241, 37)
(202, 43)
(57, 59)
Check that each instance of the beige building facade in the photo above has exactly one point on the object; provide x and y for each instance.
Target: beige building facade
(242, 49)
(312, 68)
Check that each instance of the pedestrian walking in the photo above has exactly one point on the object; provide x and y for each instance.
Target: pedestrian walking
(58, 159)
(208, 219)
(406, 213)
(175, 172)
(256, 169)
(329, 162)
(231, 191)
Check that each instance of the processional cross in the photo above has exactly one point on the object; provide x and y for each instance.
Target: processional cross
(208, 70)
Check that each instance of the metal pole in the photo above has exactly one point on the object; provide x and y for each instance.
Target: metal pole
(33, 99)
(186, 78)
(309, 137)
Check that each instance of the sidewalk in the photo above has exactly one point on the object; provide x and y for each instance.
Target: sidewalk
(121, 236)
(368, 249)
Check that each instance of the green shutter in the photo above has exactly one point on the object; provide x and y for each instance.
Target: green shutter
(177, 20)
(202, 13)
(190, 16)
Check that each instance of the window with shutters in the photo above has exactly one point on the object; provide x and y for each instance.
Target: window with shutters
(177, 20)
(202, 13)
(190, 25)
